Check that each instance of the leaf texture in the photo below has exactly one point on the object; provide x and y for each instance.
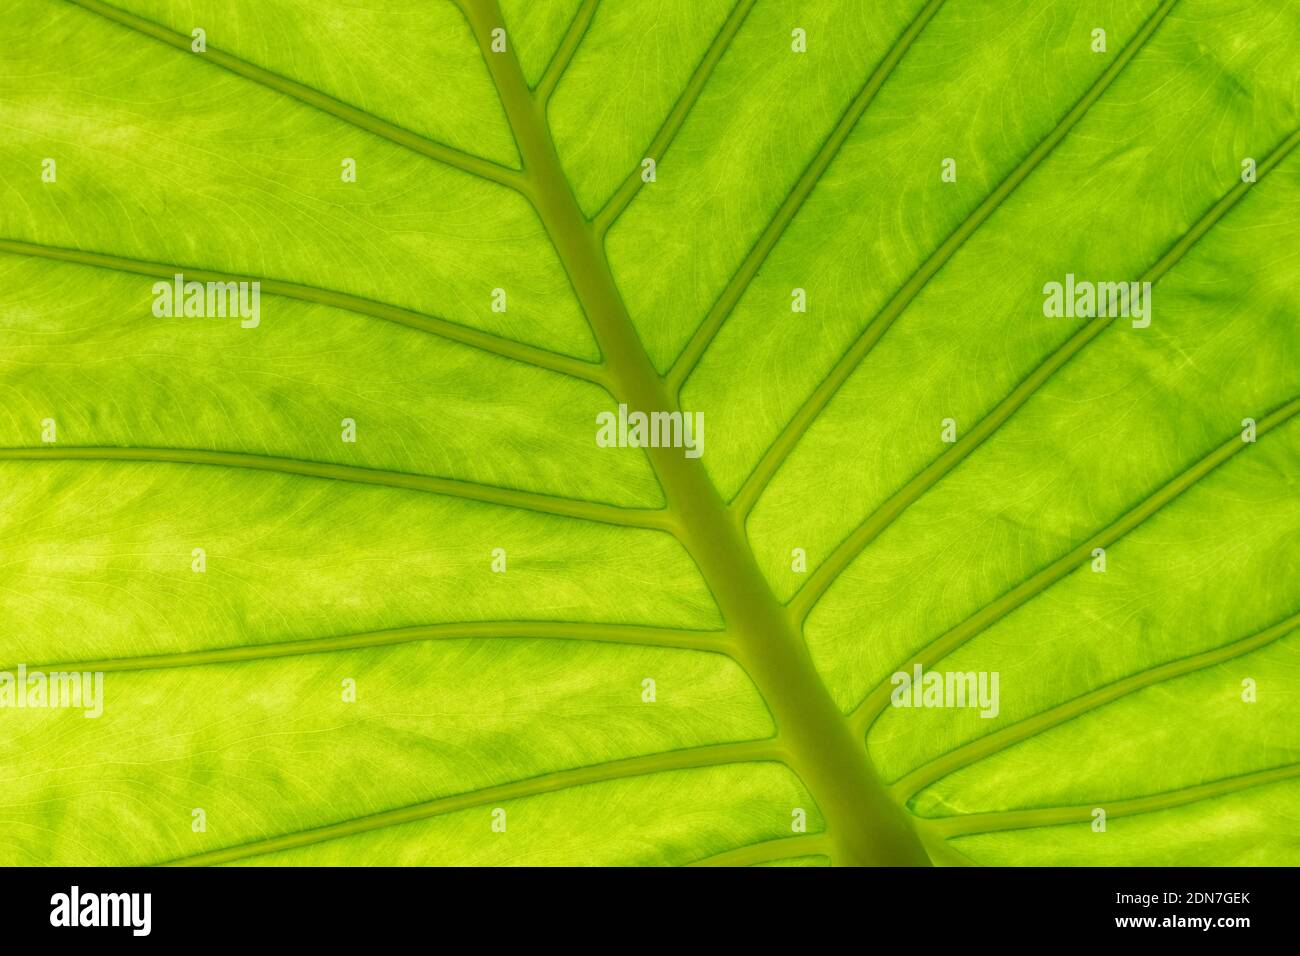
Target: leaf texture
(563, 653)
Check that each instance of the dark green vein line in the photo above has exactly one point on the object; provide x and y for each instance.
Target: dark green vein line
(695, 757)
(473, 165)
(484, 341)
(986, 746)
(564, 54)
(675, 638)
(847, 550)
(1170, 258)
(1034, 585)
(790, 206)
(488, 494)
(949, 827)
(785, 848)
(941, 852)
(794, 430)
(628, 189)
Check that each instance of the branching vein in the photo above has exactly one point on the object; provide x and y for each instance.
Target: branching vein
(990, 744)
(1036, 584)
(676, 638)
(710, 756)
(488, 494)
(628, 189)
(785, 848)
(795, 429)
(812, 175)
(484, 341)
(564, 55)
(847, 550)
(474, 165)
(948, 827)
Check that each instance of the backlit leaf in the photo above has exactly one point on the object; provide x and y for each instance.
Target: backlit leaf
(363, 580)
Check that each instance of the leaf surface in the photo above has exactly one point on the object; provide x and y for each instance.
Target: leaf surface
(649, 678)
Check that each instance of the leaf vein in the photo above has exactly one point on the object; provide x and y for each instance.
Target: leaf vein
(685, 759)
(964, 824)
(876, 702)
(853, 545)
(596, 632)
(465, 162)
(555, 70)
(655, 520)
(797, 427)
(996, 743)
(784, 848)
(627, 190)
(794, 200)
(443, 328)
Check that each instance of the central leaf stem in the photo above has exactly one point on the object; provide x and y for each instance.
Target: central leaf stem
(864, 824)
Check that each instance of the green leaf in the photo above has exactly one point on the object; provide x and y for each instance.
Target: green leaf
(474, 634)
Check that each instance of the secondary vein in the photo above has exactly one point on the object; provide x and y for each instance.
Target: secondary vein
(793, 201)
(784, 848)
(564, 55)
(874, 524)
(994, 743)
(1031, 587)
(812, 407)
(488, 494)
(628, 189)
(483, 341)
(473, 165)
(961, 825)
(685, 759)
(675, 638)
